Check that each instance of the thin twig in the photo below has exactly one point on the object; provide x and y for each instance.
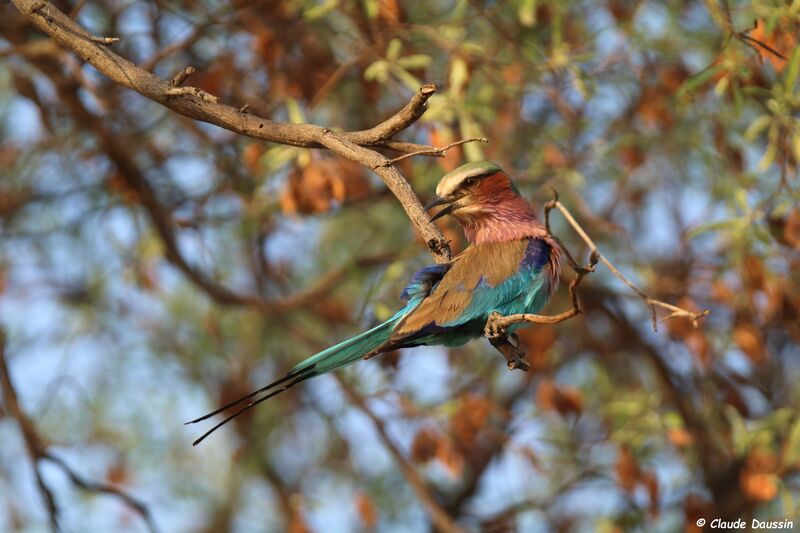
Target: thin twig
(497, 324)
(652, 303)
(181, 76)
(104, 488)
(743, 36)
(435, 152)
(103, 40)
(439, 516)
(38, 452)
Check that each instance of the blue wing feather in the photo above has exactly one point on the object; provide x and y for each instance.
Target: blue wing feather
(423, 281)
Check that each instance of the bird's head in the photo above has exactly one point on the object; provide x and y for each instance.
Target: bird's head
(473, 191)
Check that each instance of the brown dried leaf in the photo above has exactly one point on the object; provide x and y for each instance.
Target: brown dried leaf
(442, 137)
(366, 510)
(563, 400)
(680, 438)
(553, 157)
(631, 156)
(452, 461)
(251, 156)
(654, 107)
(748, 337)
(791, 231)
(390, 12)
(753, 273)
(117, 474)
(425, 445)
(537, 342)
(783, 39)
(722, 293)
(117, 184)
(297, 524)
(469, 419)
(758, 486)
(695, 507)
(628, 472)
(651, 484)
(333, 310)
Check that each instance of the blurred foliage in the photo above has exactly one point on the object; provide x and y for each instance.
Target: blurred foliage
(674, 142)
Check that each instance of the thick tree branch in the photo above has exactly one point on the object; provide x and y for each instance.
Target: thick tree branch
(38, 452)
(67, 33)
(200, 105)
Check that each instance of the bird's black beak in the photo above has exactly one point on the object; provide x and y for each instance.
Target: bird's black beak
(437, 201)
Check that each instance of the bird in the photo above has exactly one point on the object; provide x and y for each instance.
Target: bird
(511, 266)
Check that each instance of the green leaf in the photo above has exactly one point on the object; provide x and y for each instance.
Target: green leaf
(699, 79)
(739, 434)
(791, 73)
(372, 8)
(768, 158)
(320, 10)
(394, 49)
(294, 111)
(276, 157)
(792, 445)
(756, 127)
(414, 61)
(527, 13)
(469, 128)
(711, 226)
(458, 75)
(377, 71)
(722, 85)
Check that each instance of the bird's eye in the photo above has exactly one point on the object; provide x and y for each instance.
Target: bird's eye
(469, 182)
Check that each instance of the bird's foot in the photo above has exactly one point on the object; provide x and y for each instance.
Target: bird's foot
(493, 330)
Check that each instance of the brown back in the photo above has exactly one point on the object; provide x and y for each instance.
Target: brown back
(495, 262)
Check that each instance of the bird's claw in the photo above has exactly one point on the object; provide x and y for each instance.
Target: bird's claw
(492, 330)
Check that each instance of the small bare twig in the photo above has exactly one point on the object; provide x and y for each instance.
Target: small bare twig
(743, 36)
(652, 303)
(497, 325)
(181, 76)
(433, 151)
(103, 40)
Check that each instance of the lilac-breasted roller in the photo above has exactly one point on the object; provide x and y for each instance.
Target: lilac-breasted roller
(510, 267)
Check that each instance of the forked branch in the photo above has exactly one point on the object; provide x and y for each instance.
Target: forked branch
(39, 452)
(497, 326)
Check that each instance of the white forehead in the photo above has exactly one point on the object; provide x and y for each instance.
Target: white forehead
(449, 184)
(453, 179)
